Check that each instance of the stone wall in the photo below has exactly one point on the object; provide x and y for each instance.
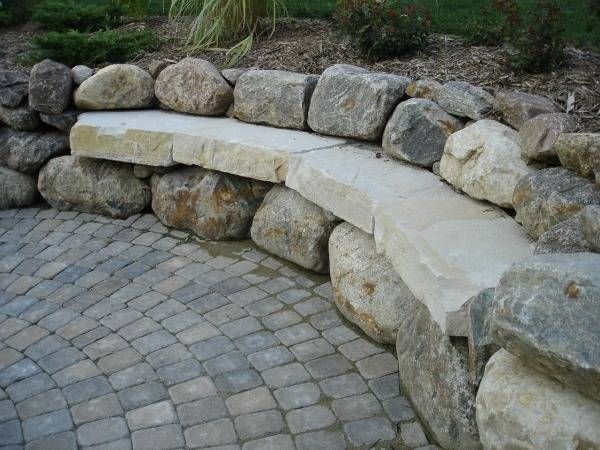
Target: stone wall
(406, 196)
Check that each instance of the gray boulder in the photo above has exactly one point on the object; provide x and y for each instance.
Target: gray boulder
(81, 73)
(538, 136)
(590, 218)
(547, 197)
(119, 86)
(517, 107)
(16, 189)
(547, 311)
(580, 152)
(352, 102)
(50, 87)
(274, 97)
(194, 86)
(14, 87)
(435, 376)
(21, 118)
(366, 288)
(464, 100)
(519, 408)
(233, 75)
(93, 186)
(213, 205)
(417, 132)
(29, 151)
(423, 89)
(564, 237)
(294, 229)
(63, 122)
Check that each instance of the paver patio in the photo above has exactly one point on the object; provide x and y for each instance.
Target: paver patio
(123, 333)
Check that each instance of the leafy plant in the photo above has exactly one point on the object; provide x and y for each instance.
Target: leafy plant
(63, 15)
(74, 47)
(383, 30)
(14, 11)
(137, 8)
(222, 22)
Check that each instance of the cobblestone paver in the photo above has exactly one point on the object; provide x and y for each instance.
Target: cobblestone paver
(125, 334)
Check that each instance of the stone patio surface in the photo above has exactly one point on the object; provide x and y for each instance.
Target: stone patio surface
(121, 334)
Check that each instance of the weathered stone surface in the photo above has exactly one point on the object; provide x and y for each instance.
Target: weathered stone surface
(16, 189)
(63, 122)
(520, 408)
(232, 75)
(28, 151)
(352, 102)
(547, 197)
(464, 100)
(580, 152)
(89, 185)
(142, 171)
(484, 160)
(480, 339)
(81, 73)
(21, 118)
(538, 135)
(294, 229)
(423, 89)
(194, 86)
(213, 205)
(50, 87)
(564, 237)
(366, 288)
(519, 107)
(591, 226)
(157, 66)
(274, 97)
(119, 86)
(532, 296)
(435, 377)
(417, 132)
(14, 87)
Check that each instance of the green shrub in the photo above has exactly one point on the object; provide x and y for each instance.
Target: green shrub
(63, 15)
(13, 12)
(381, 29)
(137, 8)
(72, 47)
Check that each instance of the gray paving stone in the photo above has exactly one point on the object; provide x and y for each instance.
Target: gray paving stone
(198, 333)
(168, 356)
(165, 437)
(386, 387)
(190, 292)
(19, 304)
(309, 418)
(212, 347)
(153, 341)
(226, 363)
(11, 432)
(321, 440)
(259, 424)
(356, 407)
(65, 293)
(134, 375)
(344, 386)
(218, 432)
(195, 389)
(91, 279)
(272, 357)
(328, 366)
(142, 395)
(61, 441)
(139, 328)
(89, 337)
(241, 327)
(225, 314)
(105, 346)
(180, 372)
(277, 442)
(29, 387)
(45, 402)
(110, 286)
(369, 431)
(121, 318)
(238, 381)
(202, 411)
(298, 396)
(259, 399)
(7, 410)
(46, 424)
(181, 321)
(276, 285)
(399, 409)
(230, 286)
(44, 289)
(46, 346)
(412, 434)
(281, 320)
(378, 365)
(61, 359)
(18, 371)
(312, 306)
(146, 301)
(287, 375)
(264, 307)
(247, 296)
(84, 301)
(313, 349)
(292, 296)
(255, 342)
(99, 408)
(102, 431)
(359, 349)
(12, 326)
(38, 311)
(326, 320)
(156, 414)
(86, 390)
(165, 309)
(296, 334)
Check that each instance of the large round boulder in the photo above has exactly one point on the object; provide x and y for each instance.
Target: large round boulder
(294, 229)
(50, 87)
(213, 205)
(28, 151)
(366, 288)
(22, 117)
(16, 189)
(120, 86)
(93, 186)
(14, 87)
(194, 86)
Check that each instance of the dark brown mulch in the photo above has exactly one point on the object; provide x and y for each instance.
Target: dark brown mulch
(310, 46)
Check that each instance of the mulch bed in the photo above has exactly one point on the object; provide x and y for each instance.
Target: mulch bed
(310, 46)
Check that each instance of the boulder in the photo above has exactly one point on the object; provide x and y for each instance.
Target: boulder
(93, 186)
(14, 87)
(434, 375)
(591, 226)
(423, 89)
(194, 86)
(213, 205)
(538, 136)
(232, 75)
(119, 86)
(564, 237)
(480, 339)
(294, 229)
(517, 107)
(366, 288)
(157, 66)
(352, 102)
(547, 311)
(81, 73)
(484, 160)
(63, 122)
(274, 97)
(143, 171)
(521, 408)
(547, 197)
(29, 151)
(50, 87)
(417, 132)
(16, 189)
(579, 152)
(21, 118)
(464, 100)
